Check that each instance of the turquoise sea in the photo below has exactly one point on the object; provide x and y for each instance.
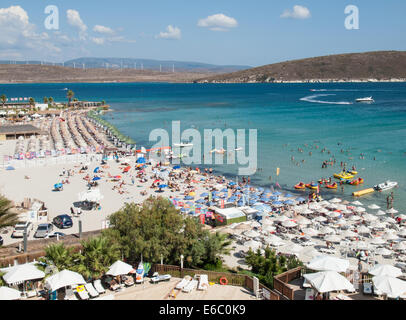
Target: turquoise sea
(287, 117)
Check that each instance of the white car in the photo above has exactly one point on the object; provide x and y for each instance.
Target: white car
(19, 228)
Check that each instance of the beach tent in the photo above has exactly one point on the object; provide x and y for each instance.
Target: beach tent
(327, 281)
(64, 278)
(392, 287)
(21, 273)
(7, 293)
(119, 268)
(328, 263)
(385, 270)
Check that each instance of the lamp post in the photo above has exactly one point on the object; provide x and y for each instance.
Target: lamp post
(181, 265)
(80, 227)
(25, 239)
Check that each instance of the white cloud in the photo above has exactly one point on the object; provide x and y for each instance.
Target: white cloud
(218, 22)
(103, 29)
(171, 33)
(74, 20)
(98, 40)
(298, 12)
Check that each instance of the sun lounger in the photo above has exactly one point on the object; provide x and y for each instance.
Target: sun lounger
(203, 282)
(129, 281)
(309, 294)
(70, 295)
(183, 283)
(92, 291)
(190, 286)
(81, 291)
(98, 286)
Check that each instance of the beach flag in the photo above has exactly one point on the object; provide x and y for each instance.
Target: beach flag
(277, 171)
(318, 188)
(202, 218)
(62, 119)
(222, 203)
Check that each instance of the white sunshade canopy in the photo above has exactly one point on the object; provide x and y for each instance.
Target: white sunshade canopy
(374, 207)
(310, 232)
(328, 263)
(392, 287)
(385, 270)
(323, 210)
(335, 200)
(289, 224)
(63, 279)
(320, 219)
(291, 248)
(333, 238)
(401, 246)
(383, 252)
(369, 217)
(90, 195)
(21, 273)
(349, 234)
(327, 281)
(7, 293)
(401, 216)
(274, 241)
(326, 230)
(389, 236)
(364, 229)
(119, 268)
(392, 210)
(378, 240)
(362, 245)
(389, 220)
(355, 218)
(282, 218)
(303, 221)
(268, 228)
(357, 203)
(380, 213)
(402, 232)
(252, 234)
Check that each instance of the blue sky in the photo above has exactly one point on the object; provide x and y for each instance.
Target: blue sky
(229, 32)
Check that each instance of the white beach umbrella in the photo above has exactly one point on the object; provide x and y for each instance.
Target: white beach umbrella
(335, 200)
(119, 268)
(90, 195)
(274, 241)
(389, 220)
(306, 211)
(308, 253)
(268, 228)
(383, 252)
(402, 232)
(334, 214)
(401, 246)
(254, 245)
(323, 210)
(7, 293)
(282, 218)
(374, 207)
(360, 245)
(389, 236)
(385, 270)
(369, 217)
(291, 248)
(392, 287)
(256, 224)
(349, 234)
(289, 224)
(327, 281)
(357, 203)
(401, 216)
(342, 222)
(320, 219)
(310, 232)
(359, 209)
(378, 241)
(21, 273)
(332, 206)
(333, 238)
(355, 218)
(252, 234)
(328, 263)
(380, 213)
(63, 279)
(392, 210)
(378, 225)
(326, 230)
(341, 207)
(303, 221)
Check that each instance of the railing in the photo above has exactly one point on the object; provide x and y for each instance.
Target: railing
(280, 282)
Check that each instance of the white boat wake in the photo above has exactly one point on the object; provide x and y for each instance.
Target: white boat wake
(314, 97)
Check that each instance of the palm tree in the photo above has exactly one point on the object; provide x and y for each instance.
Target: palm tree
(3, 99)
(98, 254)
(32, 102)
(51, 100)
(7, 217)
(46, 100)
(70, 94)
(59, 256)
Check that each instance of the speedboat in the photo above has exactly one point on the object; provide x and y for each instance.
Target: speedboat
(183, 144)
(385, 186)
(367, 99)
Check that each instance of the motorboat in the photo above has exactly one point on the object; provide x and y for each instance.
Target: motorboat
(367, 99)
(385, 186)
(183, 144)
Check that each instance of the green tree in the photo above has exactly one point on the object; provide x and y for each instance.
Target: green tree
(60, 256)
(3, 99)
(7, 216)
(97, 255)
(51, 100)
(46, 100)
(70, 94)
(32, 102)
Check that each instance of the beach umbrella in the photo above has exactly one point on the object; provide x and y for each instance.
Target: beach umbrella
(252, 234)
(21, 273)
(349, 234)
(374, 207)
(119, 268)
(326, 230)
(303, 221)
(277, 193)
(328, 263)
(364, 229)
(289, 224)
(300, 199)
(369, 217)
(254, 245)
(389, 236)
(176, 167)
(401, 246)
(126, 169)
(96, 170)
(141, 160)
(402, 232)
(378, 225)
(334, 214)
(291, 248)
(274, 241)
(383, 252)
(335, 200)
(391, 286)
(282, 218)
(357, 203)
(189, 198)
(288, 195)
(7, 293)
(96, 178)
(93, 195)
(401, 216)
(58, 185)
(333, 238)
(320, 219)
(359, 209)
(63, 279)
(360, 245)
(380, 213)
(355, 218)
(204, 194)
(327, 281)
(378, 240)
(268, 228)
(310, 232)
(390, 211)
(323, 210)
(389, 220)
(162, 186)
(289, 202)
(308, 253)
(9, 168)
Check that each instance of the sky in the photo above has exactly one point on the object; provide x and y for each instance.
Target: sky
(226, 32)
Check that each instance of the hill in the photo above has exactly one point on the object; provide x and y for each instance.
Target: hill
(15, 73)
(379, 65)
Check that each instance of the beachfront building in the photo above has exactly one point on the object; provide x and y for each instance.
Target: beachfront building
(226, 216)
(13, 132)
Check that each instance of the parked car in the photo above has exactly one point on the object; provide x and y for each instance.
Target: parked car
(1, 240)
(55, 234)
(43, 230)
(63, 221)
(19, 228)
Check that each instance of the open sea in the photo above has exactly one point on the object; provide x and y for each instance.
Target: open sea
(288, 118)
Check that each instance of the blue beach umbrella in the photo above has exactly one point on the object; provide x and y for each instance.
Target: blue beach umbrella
(96, 178)
(224, 190)
(10, 168)
(96, 170)
(204, 194)
(189, 198)
(289, 202)
(141, 160)
(200, 201)
(162, 186)
(176, 167)
(231, 183)
(277, 203)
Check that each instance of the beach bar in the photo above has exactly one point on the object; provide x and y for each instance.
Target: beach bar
(12, 132)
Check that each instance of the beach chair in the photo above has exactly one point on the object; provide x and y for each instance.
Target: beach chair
(92, 291)
(129, 281)
(98, 286)
(203, 282)
(190, 286)
(70, 295)
(183, 283)
(309, 294)
(81, 291)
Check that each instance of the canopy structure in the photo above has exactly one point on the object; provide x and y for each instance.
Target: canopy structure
(63, 279)
(385, 270)
(21, 273)
(7, 293)
(291, 248)
(392, 287)
(327, 281)
(328, 263)
(119, 268)
(90, 195)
